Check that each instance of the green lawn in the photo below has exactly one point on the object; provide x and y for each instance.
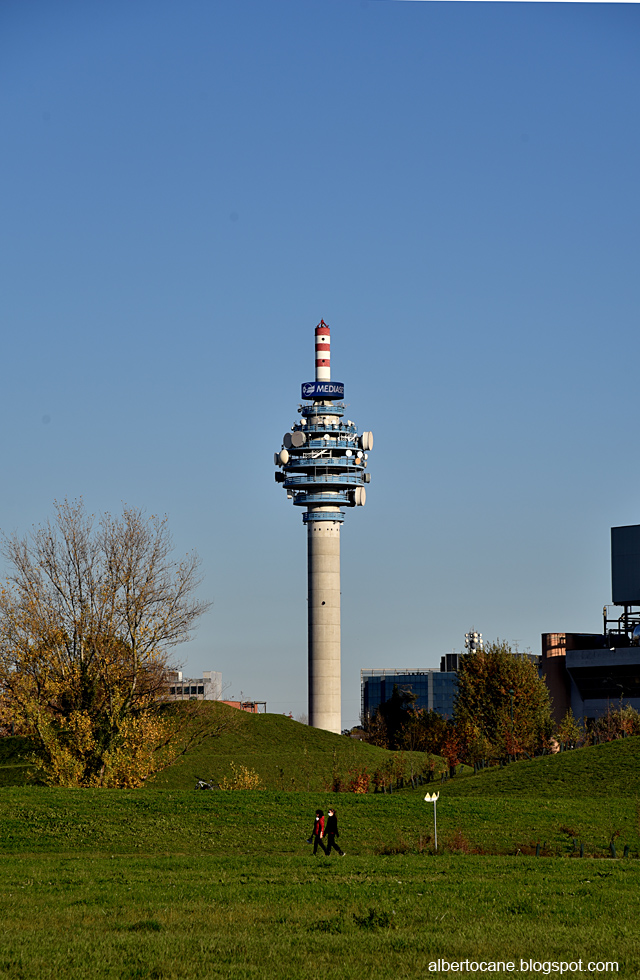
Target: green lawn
(295, 917)
(169, 883)
(41, 820)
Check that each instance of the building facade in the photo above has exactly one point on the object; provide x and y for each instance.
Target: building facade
(205, 688)
(589, 673)
(435, 690)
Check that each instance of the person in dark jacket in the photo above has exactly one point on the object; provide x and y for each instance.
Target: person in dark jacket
(318, 832)
(332, 833)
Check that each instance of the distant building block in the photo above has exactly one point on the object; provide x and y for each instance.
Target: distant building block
(205, 688)
(435, 690)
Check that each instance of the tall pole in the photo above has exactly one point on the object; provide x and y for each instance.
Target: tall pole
(511, 692)
(323, 564)
(322, 465)
(434, 799)
(323, 571)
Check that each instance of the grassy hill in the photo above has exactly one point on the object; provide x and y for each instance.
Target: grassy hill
(610, 770)
(285, 754)
(14, 766)
(289, 756)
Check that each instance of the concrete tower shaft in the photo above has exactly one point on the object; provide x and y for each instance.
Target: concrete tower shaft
(323, 578)
(322, 465)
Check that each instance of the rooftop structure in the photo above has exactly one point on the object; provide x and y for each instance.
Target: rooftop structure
(593, 672)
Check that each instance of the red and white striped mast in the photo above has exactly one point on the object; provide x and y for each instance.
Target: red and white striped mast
(323, 352)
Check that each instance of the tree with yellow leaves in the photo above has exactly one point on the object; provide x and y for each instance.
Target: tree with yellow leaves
(87, 617)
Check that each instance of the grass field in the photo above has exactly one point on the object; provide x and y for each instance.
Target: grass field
(41, 820)
(168, 883)
(284, 917)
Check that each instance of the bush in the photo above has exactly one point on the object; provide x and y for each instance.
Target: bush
(358, 781)
(242, 778)
(619, 722)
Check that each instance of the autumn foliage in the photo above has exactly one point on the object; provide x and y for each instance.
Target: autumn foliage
(502, 706)
(502, 710)
(87, 617)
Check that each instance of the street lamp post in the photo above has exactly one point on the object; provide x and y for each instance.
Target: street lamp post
(433, 799)
(511, 693)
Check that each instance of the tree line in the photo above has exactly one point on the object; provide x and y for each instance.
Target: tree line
(502, 711)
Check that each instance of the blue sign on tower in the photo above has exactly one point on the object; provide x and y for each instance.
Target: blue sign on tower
(323, 389)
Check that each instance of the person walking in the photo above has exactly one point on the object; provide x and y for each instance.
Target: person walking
(332, 833)
(318, 832)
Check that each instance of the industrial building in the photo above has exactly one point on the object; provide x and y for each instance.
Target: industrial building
(592, 673)
(435, 690)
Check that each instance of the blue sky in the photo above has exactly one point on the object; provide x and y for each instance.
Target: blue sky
(188, 188)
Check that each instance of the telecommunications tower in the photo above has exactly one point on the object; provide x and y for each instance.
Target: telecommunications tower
(322, 466)
(473, 641)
